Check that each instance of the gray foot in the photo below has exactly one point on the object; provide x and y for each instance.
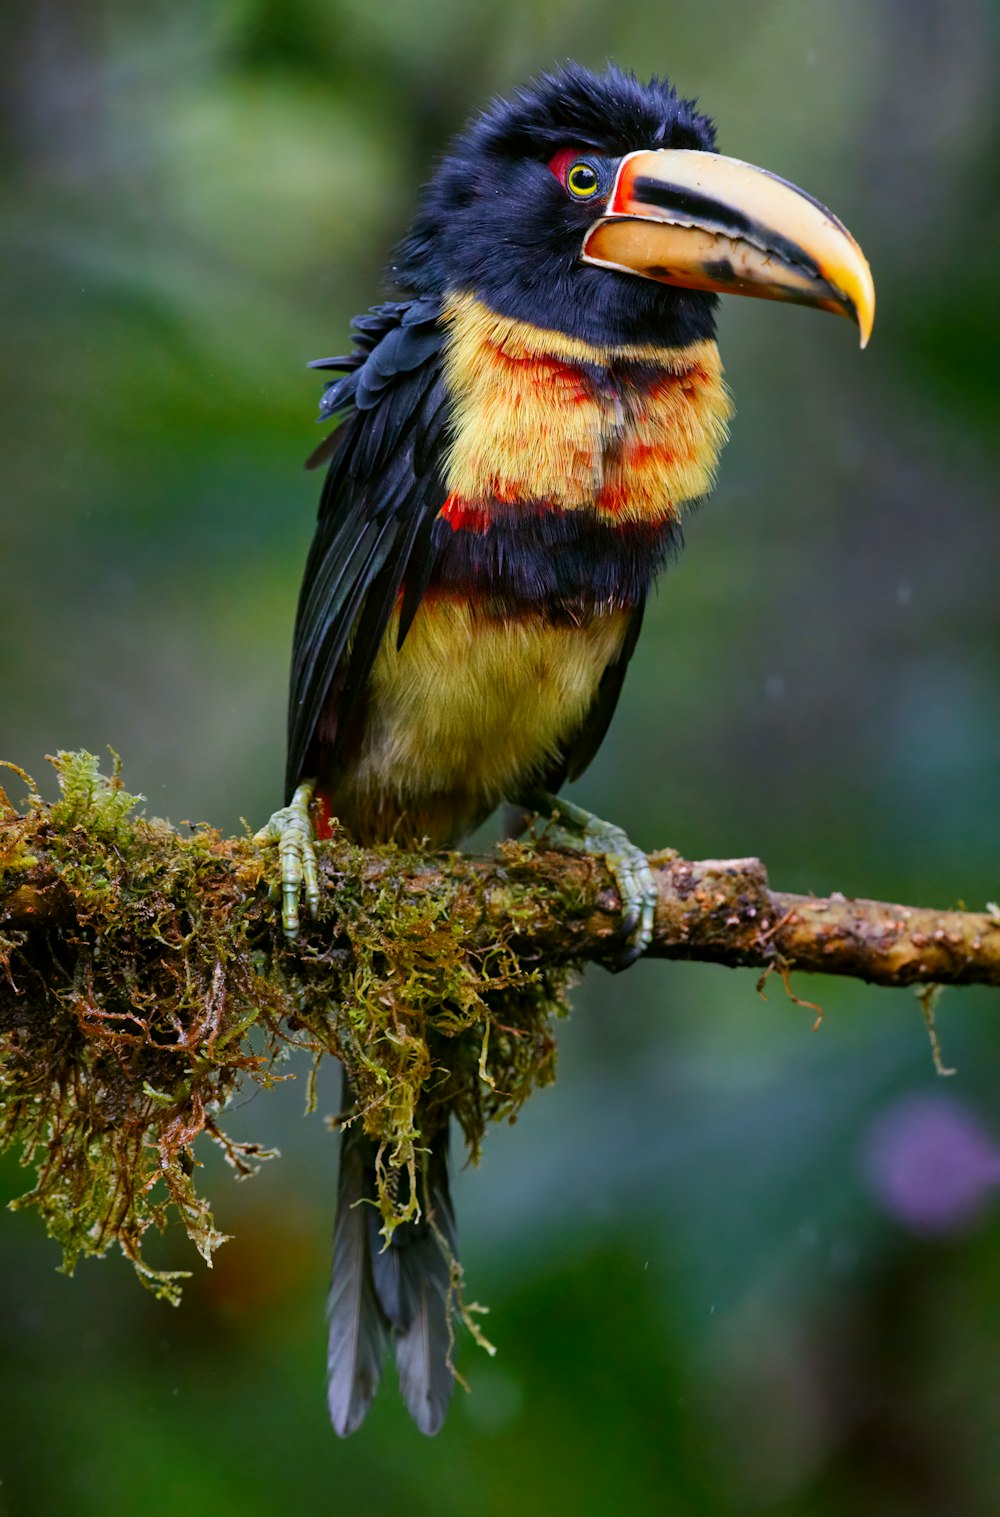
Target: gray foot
(291, 828)
(581, 830)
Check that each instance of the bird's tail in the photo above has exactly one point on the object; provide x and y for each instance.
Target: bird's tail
(396, 1293)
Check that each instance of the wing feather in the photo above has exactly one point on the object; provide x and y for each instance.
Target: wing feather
(383, 488)
(579, 751)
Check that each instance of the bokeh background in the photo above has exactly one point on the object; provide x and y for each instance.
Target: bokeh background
(733, 1267)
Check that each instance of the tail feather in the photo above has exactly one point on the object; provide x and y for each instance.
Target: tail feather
(399, 1291)
(422, 1329)
(358, 1325)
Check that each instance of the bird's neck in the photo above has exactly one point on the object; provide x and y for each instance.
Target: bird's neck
(544, 422)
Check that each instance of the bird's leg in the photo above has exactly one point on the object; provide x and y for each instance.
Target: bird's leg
(292, 829)
(575, 828)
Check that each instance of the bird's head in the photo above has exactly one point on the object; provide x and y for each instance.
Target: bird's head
(597, 206)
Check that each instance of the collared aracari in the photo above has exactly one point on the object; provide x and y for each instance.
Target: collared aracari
(520, 434)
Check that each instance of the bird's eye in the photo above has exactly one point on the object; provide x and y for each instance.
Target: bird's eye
(582, 180)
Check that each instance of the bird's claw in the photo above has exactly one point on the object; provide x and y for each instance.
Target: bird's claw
(636, 886)
(292, 829)
(581, 830)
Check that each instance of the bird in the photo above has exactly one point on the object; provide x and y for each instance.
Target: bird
(519, 432)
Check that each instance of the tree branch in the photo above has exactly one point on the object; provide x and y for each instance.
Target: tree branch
(719, 911)
(143, 976)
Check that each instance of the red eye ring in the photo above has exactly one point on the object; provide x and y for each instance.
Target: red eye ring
(559, 163)
(580, 172)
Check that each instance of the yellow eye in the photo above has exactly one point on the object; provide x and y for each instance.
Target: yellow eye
(582, 181)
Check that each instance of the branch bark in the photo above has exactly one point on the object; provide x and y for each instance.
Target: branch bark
(720, 911)
(144, 979)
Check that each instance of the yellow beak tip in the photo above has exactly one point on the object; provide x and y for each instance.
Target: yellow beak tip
(863, 301)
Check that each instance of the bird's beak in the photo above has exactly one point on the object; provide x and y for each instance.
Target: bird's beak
(712, 223)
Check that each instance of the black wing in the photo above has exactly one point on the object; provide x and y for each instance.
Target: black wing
(383, 489)
(582, 746)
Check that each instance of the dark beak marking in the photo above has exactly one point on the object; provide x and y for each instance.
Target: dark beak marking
(716, 216)
(721, 270)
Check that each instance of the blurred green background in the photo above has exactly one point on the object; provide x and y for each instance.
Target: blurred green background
(733, 1267)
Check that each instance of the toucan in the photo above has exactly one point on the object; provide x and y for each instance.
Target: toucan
(519, 434)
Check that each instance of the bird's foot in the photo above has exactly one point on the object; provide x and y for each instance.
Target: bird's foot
(575, 828)
(292, 829)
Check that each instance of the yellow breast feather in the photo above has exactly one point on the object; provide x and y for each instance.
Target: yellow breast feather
(531, 422)
(470, 707)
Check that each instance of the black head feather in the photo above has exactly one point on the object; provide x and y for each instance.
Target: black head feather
(496, 222)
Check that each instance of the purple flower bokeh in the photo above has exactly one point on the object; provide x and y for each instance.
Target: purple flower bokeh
(931, 1163)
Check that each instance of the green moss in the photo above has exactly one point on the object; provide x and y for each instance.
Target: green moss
(117, 1044)
(435, 1014)
(130, 1017)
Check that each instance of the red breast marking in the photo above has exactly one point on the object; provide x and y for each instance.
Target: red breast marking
(542, 372)
(689, 381)
(614, 499)
(617, 499)
(322, 818)
(640, 455)
(465, 515)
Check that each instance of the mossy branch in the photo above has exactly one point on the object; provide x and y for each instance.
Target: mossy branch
(143, 977)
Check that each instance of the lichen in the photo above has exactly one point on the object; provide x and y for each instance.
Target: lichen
(166, 986)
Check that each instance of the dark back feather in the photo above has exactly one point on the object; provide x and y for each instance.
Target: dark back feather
(383, 489)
